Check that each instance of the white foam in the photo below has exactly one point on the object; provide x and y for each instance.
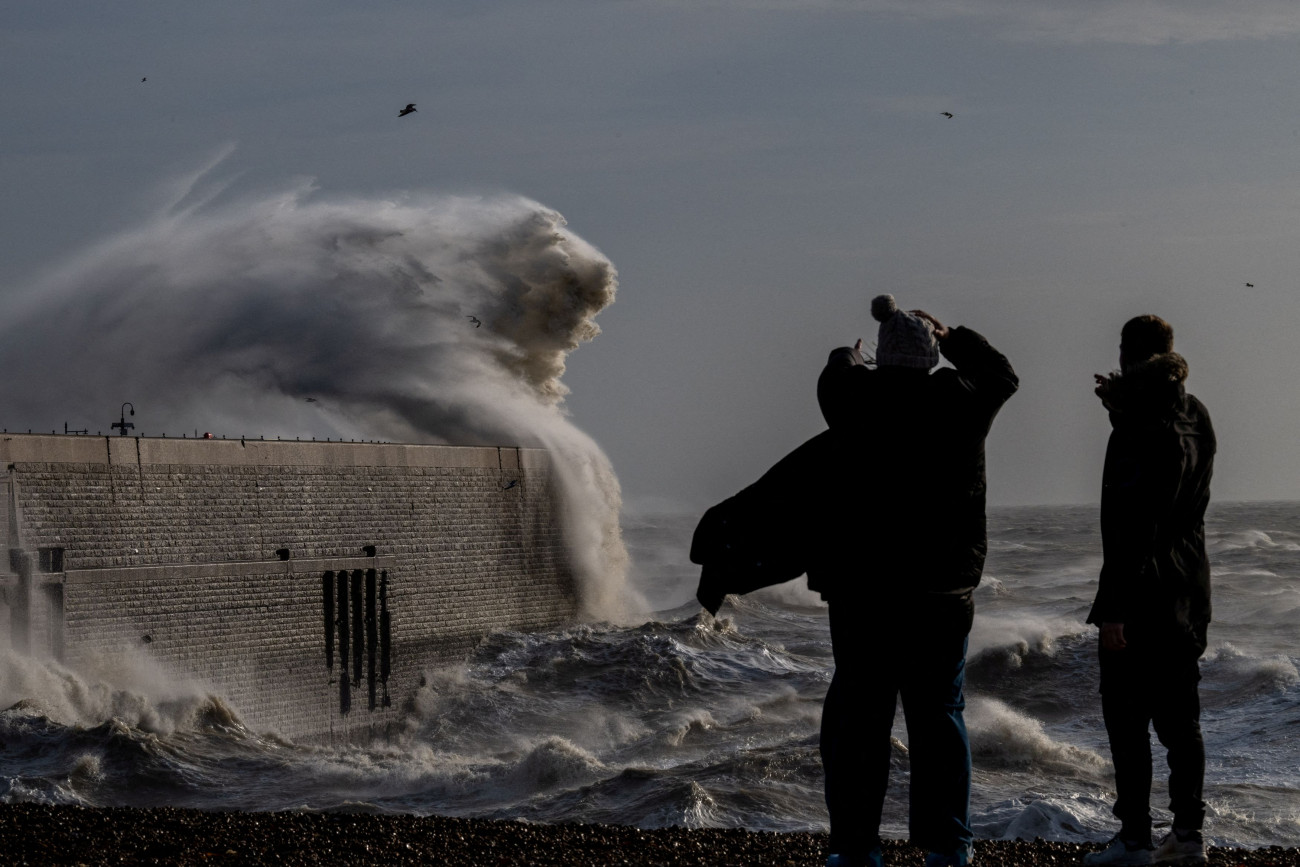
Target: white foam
(792, 593)
(128, 688)
(1245, 672)
(1062, 817)
(1002, 737)
(1017, 636)
(686, 724)
(1247, 539)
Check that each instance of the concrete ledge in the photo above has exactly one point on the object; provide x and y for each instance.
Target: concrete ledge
(133, 451)
(307, 569)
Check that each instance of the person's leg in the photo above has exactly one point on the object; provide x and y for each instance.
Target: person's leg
(1177, 720)
(1125, 694)
(933, 701)
(857, 718)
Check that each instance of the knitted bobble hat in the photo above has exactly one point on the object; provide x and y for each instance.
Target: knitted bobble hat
(904, 340)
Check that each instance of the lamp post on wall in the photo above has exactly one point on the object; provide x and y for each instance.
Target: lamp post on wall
(124, 424)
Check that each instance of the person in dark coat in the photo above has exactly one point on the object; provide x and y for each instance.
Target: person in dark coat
(1153, 596)
(899, 578)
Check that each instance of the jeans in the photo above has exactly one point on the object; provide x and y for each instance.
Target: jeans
(1143, 688)
(880, 655)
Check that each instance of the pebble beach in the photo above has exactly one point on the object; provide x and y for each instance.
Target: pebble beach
(33, 834)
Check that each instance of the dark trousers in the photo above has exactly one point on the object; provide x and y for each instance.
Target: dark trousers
(920, 656)
(1140, 689)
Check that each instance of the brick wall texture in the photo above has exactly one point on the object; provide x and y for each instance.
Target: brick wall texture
(174, 549)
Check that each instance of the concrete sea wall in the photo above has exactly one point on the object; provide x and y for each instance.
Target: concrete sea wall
(310, 584)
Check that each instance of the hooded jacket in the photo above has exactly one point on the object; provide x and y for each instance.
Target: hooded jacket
(1155, 575)
(889, 501)
(912, 454)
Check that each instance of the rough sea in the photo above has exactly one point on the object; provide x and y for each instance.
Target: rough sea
(691, 721)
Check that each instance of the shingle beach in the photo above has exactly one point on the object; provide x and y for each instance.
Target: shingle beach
(40, 835)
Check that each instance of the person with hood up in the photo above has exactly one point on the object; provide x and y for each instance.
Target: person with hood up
(900, 575)
(1153, 596)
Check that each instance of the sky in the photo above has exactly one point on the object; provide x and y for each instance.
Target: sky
(756, 171)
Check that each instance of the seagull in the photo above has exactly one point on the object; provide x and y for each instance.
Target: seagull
(410, 107)
(1250, 285)
(478, 323)
(946, 114)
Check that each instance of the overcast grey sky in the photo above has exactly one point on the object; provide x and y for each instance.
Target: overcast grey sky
(756, 170)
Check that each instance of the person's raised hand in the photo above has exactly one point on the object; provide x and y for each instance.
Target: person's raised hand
(941, 331)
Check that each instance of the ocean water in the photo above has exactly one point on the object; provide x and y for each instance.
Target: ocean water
(683, 719)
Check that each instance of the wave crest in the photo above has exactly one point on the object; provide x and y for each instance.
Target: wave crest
(412, 318)
(1003, 737)
(129, 690)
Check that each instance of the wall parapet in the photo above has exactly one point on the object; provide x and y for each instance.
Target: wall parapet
(258, 566)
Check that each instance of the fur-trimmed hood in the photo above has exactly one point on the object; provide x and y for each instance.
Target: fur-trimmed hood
(1152, 384)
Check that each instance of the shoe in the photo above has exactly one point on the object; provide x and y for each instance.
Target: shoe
(874, 858)
(1124, 853)
(961, 858)
(1180, 847)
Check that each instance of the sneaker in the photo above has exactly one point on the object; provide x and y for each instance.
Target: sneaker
(1180, 847)
(1121, 852)
(961, 858)
(874, 858)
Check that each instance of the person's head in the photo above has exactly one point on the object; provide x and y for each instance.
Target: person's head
(904, 340)
(1143, 338)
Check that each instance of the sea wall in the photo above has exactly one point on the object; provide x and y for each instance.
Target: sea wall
(309, 584)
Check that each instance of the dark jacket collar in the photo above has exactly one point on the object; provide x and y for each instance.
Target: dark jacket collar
(1151, 386)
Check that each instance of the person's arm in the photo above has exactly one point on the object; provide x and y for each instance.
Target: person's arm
(1103, 390)
(985, 372)
(843, 357)
(840, 388)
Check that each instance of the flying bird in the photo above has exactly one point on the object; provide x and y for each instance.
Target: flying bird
(410, 107)
(311, 400)
(1250, 285)
(513, 482)
(946, 114)
(477, 322)
(143, 80)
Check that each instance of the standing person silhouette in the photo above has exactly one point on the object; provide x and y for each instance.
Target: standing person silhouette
(1153, 597)
(901, 576)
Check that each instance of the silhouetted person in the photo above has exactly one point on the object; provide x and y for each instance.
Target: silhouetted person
(906, 558)
(1153, 597)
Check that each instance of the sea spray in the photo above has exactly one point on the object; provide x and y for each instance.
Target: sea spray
(126, 687)
(415, 318)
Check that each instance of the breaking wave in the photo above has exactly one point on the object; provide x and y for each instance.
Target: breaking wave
(414, 317)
